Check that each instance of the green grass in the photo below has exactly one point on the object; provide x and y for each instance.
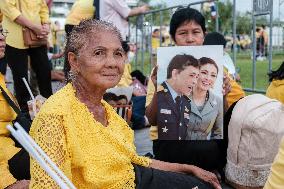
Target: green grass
(244, 65)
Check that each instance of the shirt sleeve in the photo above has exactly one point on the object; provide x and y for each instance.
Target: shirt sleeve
(49, 133)
(140, 160)
(121, 7)
(9, 9)
(276, 177)
(44, 12)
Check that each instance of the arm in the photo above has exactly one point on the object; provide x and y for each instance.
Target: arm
(122, 8)
(38, 29)
(187, 169)
(152, 108)
(10, 10)
(226, 89)
(138, 10)
(49, 133)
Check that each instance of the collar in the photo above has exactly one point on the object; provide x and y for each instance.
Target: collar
(173, 93)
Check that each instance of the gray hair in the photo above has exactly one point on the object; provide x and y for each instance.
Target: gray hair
(80, 34)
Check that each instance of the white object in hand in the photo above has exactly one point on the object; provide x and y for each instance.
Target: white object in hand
(40, 156)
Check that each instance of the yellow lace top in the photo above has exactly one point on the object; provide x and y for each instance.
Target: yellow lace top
(90, 154)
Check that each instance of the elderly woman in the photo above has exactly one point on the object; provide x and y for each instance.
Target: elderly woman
(206, 116)
(85, 137)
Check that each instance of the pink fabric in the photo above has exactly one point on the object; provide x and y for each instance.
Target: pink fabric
(116, 11)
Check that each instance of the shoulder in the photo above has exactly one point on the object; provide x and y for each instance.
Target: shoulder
(214, 99)
(60, 102)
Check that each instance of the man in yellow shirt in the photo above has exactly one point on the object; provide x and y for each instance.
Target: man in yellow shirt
(33, 15)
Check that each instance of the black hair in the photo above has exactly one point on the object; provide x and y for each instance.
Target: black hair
(277, 74)
(125, 46)
(215, 38)
(139, 75)
(110, 96)
(180, 62)
(184, 15)
(155, 30)
(205, 60)
(122, 97)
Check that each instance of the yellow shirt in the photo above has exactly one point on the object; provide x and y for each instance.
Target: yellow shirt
(90, 154)
(126, 78)
(34, 10)
(236, 92)
(7, 145)
(276, 90)
(155, 44)
(81, 9)
(276, 177)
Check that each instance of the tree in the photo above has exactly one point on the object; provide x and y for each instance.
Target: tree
(225, 10)
(244, 23)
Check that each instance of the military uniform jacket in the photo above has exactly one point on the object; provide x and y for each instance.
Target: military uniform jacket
(172, 123)
(207, 124)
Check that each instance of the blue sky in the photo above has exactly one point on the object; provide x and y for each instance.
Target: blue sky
(241, 5)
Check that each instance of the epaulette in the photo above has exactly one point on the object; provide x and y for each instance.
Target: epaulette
(187, 97)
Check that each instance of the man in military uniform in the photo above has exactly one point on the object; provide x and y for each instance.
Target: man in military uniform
(173, 103)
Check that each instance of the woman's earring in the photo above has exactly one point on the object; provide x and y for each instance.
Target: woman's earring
(72, 75)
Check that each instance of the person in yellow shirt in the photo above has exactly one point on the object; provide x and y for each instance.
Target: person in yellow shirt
(7, 145)
(33, 15)
(187, 28)
(276, 87)
(276, 177)
(81, 9)
(84, 136)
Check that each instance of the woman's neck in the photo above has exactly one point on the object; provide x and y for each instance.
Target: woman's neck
(92, 99)
(86, 94)
(199, 96)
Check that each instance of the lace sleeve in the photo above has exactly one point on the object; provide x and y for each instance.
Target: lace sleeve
(48, 131)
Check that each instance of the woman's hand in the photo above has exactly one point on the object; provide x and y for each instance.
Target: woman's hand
(226, 84)
(203, 175)
(21, 184)
(40, 31)
(206, 176)
(154, 76)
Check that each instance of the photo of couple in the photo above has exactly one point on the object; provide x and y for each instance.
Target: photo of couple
(190, 104)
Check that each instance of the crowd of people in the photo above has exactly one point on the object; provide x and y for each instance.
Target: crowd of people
(82, 133)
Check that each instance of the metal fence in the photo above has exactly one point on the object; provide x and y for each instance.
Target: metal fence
(141, 34)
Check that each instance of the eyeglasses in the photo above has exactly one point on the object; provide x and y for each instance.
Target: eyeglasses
(4, 32)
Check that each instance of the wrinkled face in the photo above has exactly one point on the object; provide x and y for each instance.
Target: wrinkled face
(185, 80)
(101, 62)
(207, 77)
(189, 34)
(2, 43)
